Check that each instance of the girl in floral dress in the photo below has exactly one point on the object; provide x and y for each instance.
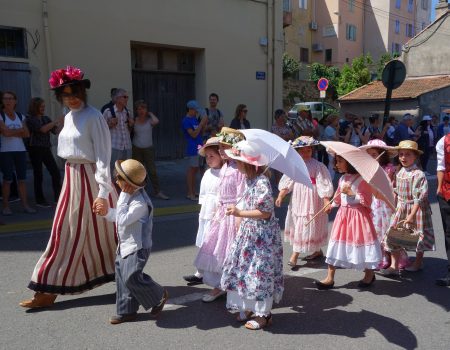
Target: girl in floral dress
(253, 271)
(353, 240)
(222, 229)
(305, 203)
(209, 188)
(412, 206)
(381, 212)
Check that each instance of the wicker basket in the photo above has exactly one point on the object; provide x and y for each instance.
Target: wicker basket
(401, 236)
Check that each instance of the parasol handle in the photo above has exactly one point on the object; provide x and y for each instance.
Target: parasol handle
(323, 208)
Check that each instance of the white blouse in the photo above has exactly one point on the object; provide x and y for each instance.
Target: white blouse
(85, 138)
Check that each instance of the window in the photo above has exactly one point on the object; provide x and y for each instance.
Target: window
(303, 4)
(409, 30)
(287, 5)
(328, 55)
(351, 5)
(397, 26)
(398, 3)
(304, 55)
(410, 5)
(396, 48)
(425, 4)
(351, 32)
(13, 42)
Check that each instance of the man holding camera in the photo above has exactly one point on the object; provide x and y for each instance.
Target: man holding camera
(353, 133)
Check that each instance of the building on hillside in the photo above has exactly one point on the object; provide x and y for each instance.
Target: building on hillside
(158, 51)
(426, 89)
(343, 30)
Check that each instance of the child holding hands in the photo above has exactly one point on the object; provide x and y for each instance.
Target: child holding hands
(134, 220)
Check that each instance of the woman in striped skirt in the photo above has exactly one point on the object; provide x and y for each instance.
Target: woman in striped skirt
(81, 250)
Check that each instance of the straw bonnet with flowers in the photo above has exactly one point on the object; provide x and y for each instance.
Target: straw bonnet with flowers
(376, 143)
(229, 136)
(304, 141)
(247, 152)
(68, 76)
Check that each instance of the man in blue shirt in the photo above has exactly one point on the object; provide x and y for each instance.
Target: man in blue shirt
(192, 130)
(403, 131)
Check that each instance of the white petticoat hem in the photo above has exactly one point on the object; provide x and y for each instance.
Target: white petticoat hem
(237, 303)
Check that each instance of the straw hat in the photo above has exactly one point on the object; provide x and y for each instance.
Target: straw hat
(229, 136)
(304, 141)
(132, 171)
(409, 145)
(213, 141)
(377, 143)
(247, 152)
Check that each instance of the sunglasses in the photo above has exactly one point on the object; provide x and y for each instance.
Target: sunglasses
(125, 97)
(245, 110)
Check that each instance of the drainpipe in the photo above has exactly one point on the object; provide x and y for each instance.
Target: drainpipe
(270, 56)
(48, 50)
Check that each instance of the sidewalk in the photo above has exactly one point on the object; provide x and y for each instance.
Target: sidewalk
(172, 177)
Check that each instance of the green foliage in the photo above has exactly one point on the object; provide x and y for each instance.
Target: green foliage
(356, 75)
(331, 73)
(291, 66)
(385, 58)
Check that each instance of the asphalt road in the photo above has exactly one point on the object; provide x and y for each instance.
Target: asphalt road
(400, 313)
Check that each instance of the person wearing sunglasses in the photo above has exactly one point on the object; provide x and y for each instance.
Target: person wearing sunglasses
(240, 118)
(120, 122)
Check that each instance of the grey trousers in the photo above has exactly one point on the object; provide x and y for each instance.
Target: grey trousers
(134, 287)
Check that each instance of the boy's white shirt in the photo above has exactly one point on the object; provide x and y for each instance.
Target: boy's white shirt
(129, 217)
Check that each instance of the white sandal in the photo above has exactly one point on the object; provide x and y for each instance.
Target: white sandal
(259, 322)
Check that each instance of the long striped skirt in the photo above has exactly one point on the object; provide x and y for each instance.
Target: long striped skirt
(81, 251)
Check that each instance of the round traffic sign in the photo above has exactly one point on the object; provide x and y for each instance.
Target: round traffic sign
(394, 74)
(322, 84)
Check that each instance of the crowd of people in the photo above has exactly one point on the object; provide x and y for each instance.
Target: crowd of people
(240, 251)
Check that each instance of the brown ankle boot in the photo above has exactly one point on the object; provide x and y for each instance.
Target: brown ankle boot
(39, 300)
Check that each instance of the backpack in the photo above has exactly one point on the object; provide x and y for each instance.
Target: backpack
(113, 114)
(26, 140)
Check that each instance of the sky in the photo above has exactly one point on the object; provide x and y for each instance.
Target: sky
(433, 5)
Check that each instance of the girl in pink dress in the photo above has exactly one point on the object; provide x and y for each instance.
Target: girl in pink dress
(305, 203)
(222, 228)
(353, 241)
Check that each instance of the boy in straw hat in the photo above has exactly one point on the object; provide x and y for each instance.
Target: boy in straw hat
(413, 206)
(134, 219)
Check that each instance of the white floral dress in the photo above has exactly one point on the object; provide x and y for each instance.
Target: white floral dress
(253, 271)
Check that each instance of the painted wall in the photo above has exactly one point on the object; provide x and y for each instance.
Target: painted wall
(427, 54)
(96, 36)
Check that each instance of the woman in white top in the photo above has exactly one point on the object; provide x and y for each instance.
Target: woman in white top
(81, 251)
(143, 150)
(13, 155)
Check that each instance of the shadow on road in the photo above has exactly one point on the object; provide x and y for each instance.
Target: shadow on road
(315, 312)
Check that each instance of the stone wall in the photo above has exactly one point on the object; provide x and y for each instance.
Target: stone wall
(295, 91)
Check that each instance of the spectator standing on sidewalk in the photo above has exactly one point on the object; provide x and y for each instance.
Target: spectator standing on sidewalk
(39, 149)
(443, 196)
(354, 135)
(443, 128)
(13, 154)
(240, 118)
(192, 130)
(425, 142)
(215, 117)
(404, 130)
(120, 122)
(280, 126)
(143, 150)
(331, 133)
(110, 103)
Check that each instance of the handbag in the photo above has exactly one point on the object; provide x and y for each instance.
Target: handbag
(402, 236)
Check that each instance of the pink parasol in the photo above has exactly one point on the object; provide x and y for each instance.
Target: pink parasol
(369, 169)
